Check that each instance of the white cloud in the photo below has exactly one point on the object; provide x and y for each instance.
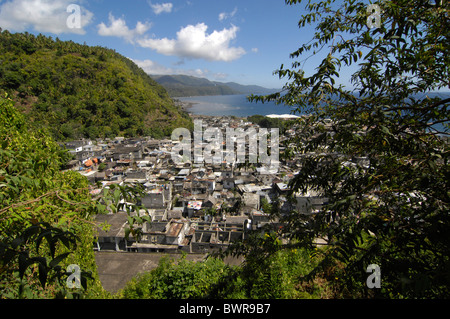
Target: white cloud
(118, 28)
(161, 7)
(43, 16)
(222, 16)
(225, 15)
(255, 50)
(220, 76)
(193, 42)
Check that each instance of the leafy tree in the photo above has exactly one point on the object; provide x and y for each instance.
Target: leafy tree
(176, 279)
(41, 204)
(49, 272)
(212, 278)
(268, 122)
(101, 167)
(265, 206)
(377, 149)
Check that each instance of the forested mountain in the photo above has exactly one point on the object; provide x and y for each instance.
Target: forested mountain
(184, 85)
(250, 89)
(82, 91)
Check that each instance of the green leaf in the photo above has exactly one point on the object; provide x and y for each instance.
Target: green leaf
(116, 196)
(17, 242)
(42, 274)
(58, 259)
(127, 232)
(23, 263)
(30, 231)
(385, 130)
(130, 220)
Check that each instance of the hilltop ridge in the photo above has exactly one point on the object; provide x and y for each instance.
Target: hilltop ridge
(185, 85)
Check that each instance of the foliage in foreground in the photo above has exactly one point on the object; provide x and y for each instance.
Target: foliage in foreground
(378, 151)
(267, 122)
(276, 277)
(44, 215)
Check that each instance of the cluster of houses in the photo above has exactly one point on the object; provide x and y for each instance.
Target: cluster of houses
(194, 207)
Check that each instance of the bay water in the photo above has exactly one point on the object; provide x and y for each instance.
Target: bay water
(226, 105)
(238, 105)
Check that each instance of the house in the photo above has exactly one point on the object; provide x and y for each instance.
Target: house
(211, 202)
(281, 188)
(114, 237)
(183, 173)
(72, 164)
(251, 202)
(151, 145)
(127, 152)
(143, 163)
(135, 177)
(227, 173)
(259, 218)
(163, 236)
(176, 231)
(154, 199)
(266, 179)
(309, 202)
(175, 213)
(158, 215)
(228, 183)
(154, 233)
(199, 187)
(193, 207)
(82, 149)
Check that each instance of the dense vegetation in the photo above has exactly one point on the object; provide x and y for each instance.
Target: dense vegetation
(81, 91)
(267, 122)
(45, 215)
(276, 277)
(378, 150)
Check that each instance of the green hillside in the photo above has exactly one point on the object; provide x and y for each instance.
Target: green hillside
(81, 91)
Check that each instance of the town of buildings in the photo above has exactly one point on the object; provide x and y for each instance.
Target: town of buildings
(194, 207)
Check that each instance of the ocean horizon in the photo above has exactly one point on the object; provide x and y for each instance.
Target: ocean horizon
(232, 105)
(238, 105)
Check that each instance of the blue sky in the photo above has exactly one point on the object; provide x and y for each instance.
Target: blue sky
(241, 41)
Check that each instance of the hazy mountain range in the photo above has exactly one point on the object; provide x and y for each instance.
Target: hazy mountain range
(184, 85)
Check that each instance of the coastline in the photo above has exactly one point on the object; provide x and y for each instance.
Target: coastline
(227, 105)
(185, 106)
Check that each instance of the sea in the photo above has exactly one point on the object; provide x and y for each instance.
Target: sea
(236, 105)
